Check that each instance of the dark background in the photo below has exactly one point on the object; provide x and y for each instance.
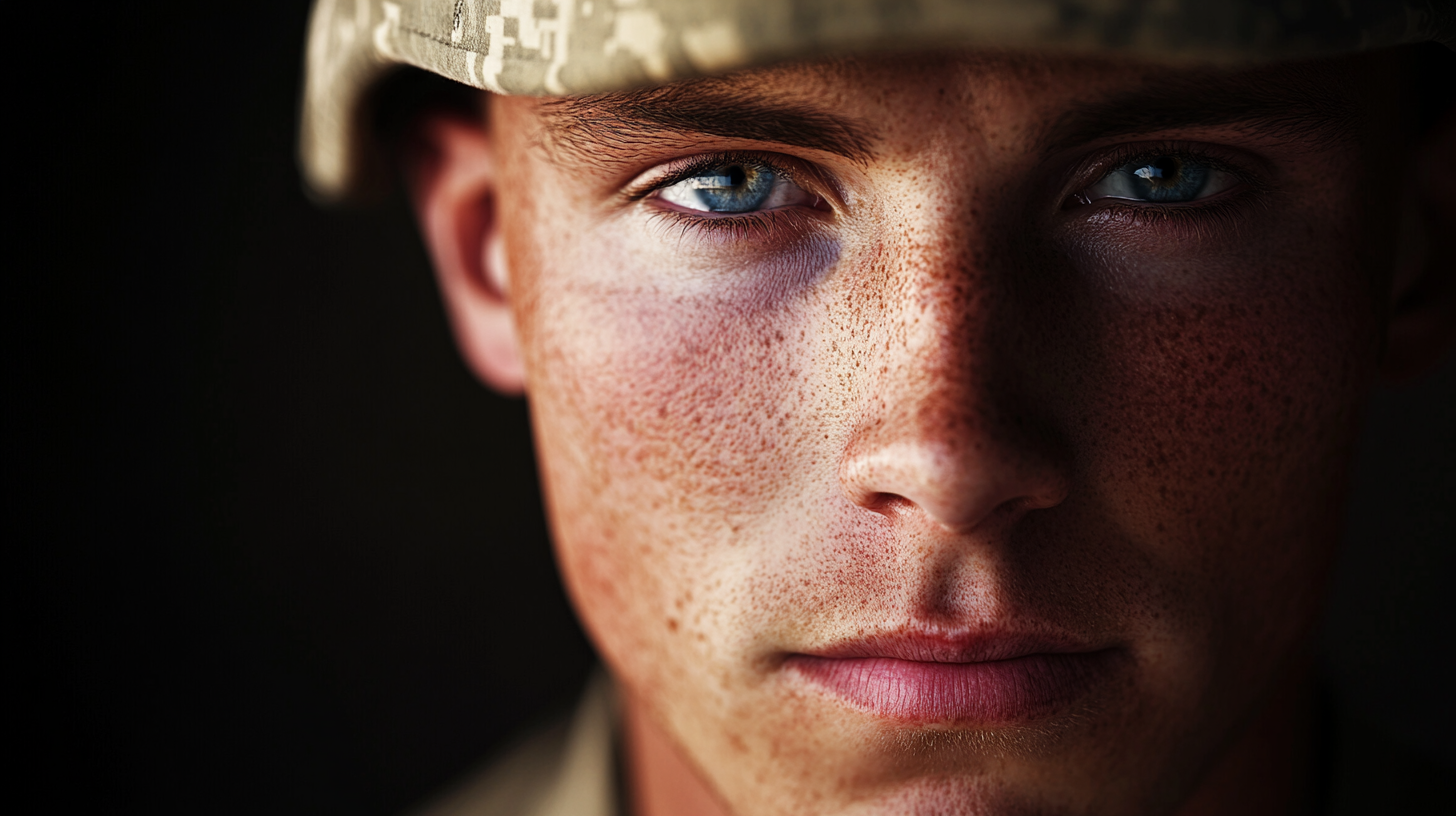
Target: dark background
(280, 553)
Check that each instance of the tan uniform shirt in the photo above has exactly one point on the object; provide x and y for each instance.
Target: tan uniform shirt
(567, 769)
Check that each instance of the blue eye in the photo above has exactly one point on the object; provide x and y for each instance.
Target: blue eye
(730, 188)
(1160, 180)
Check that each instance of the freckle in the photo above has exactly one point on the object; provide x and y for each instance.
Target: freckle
(672, 624)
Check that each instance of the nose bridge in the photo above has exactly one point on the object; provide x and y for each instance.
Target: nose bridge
(939, 353)
(945, 352)
(943, 426)
(942, 294)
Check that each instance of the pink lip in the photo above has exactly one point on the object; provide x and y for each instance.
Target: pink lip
(983, 679)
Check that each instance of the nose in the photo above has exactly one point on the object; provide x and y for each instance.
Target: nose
(952, 427)
(964, 481)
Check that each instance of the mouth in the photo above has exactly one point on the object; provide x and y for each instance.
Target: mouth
(971, 679)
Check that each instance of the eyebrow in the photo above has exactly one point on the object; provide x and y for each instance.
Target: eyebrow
(1284, 107)
(585, 125)
(1289, 105)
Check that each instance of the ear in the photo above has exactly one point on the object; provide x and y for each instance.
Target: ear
(1423, 295)
(452, 170)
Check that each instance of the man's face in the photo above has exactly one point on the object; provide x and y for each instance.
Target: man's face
(990, 454)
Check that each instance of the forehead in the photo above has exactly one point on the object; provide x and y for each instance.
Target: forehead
(855, 107)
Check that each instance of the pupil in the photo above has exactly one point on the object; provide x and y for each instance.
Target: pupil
(736, 176)
(1163, 172)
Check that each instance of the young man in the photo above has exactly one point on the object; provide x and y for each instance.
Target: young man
(953, 418)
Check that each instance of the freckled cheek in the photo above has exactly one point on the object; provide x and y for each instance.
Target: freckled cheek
(1220, 412)
(666, 434)
(680, 398)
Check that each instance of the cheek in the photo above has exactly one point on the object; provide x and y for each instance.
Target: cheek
(1213, 402)
(670, 431)
(669, 398)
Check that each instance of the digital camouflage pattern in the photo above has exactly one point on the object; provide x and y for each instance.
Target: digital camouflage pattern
(558, 47)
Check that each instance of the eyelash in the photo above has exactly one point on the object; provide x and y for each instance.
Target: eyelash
(762, 225)
(1220, 208)
(695, 165)
(1220, 215)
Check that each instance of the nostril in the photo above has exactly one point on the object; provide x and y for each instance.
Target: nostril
(959, 488)
(886, 504)
(861, 477)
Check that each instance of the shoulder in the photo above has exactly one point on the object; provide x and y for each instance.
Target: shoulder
(566, 768)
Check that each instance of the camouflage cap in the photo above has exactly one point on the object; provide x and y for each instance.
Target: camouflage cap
(559, 47)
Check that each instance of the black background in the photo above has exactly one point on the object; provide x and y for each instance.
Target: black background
(280, 553)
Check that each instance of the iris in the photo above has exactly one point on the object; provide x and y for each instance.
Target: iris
(1162, 180)
(731, 188)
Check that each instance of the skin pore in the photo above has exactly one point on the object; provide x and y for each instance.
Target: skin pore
(949, 385)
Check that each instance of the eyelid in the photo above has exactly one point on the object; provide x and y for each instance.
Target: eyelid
(795, 171)
(1246, 169)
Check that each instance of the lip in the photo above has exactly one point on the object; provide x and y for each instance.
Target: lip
(977, 678)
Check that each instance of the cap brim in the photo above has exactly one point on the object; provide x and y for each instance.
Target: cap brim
(563, 47)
